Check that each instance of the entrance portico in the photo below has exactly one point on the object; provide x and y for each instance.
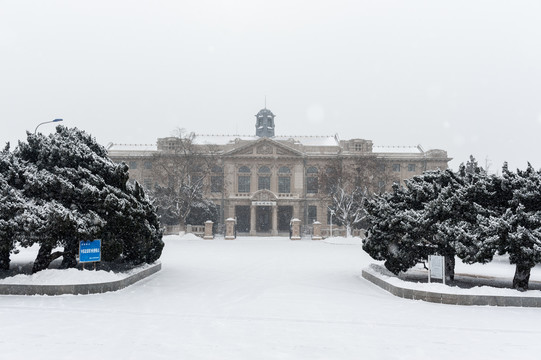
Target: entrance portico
(263, 213)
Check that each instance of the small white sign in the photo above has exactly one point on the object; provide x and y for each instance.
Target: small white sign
(264, 203)
(436, 267)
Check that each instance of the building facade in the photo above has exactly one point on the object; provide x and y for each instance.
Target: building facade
(264, 181)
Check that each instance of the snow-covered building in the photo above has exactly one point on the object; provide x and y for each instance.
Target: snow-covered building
(264, 180)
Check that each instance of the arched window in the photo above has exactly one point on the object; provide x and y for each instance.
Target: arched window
(311, 170)
(244, 169)
(263, 180)
(217, 169)
(284, 170)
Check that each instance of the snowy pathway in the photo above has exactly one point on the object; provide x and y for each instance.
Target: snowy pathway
(260, 298)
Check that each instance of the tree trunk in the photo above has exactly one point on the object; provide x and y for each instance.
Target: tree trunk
(69, 259)
(450, 267)
(5, 251)
(43, 260)
(522, 277)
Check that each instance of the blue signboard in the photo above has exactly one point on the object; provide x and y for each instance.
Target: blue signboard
(90, 251)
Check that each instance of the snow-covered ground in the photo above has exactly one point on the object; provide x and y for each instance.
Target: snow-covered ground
(261, 298)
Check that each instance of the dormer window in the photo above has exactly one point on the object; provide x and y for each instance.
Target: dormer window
(358, 147)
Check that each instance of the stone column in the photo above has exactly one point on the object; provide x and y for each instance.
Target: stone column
(230, 229)
(252, 220)
(316, 235)
(208, 230)
(295, 229)
(274, 231)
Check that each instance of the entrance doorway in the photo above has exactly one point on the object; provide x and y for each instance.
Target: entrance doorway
(243, 218)
(263, 219)
(285, 213)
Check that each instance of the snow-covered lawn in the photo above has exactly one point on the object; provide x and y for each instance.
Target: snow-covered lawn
(261, 298)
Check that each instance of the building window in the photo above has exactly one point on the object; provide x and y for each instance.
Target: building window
(244, 184)
(358, 147)
(264, 170)
(217, 169)
(311, 180)
(284, 170)
(411, 167)
(244, 169)
(381, 167)
(263, 183)
(216, 183)
(284, 184)
(147, 164)
(311, 185)
(132, 164)
(396, 167)
(312, 214)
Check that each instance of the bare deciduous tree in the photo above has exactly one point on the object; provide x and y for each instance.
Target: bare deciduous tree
(183, 166)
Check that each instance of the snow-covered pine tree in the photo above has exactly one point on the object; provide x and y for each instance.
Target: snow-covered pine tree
(404, 227)
(473, 206)
(454, 213)
(520, 226)
(75, 174)
(393, 234)
(12, 205)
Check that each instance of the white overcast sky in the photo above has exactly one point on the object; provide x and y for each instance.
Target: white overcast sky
(463, 76)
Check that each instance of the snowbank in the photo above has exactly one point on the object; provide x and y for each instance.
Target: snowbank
(70, 277)
(390, 278)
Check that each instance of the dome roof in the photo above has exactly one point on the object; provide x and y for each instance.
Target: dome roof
(265, 112)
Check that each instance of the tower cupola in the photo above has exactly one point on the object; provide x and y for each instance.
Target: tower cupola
(264, 125)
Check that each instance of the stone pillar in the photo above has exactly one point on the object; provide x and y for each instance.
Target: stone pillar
(274, 231)
(188, 229)
(208, 230)
(295, 229)
(316, 235)
(230, 229)
(252, 219)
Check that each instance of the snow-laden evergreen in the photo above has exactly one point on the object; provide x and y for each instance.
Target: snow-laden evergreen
(468, 214)
(69, 191)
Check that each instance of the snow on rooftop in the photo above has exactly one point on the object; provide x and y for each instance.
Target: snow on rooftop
(397, 149)
(221, 139)
(311, 140)
(132, 147)
(304, 140)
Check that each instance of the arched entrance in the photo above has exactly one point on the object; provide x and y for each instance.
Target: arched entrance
(264, 213)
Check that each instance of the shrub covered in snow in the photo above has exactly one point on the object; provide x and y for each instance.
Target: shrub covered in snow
(63, 188)
(468, 214)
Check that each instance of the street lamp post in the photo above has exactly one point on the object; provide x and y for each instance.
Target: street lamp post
(46, 122)
(332, 213)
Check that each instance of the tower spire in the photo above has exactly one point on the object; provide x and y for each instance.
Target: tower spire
(265, 101)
